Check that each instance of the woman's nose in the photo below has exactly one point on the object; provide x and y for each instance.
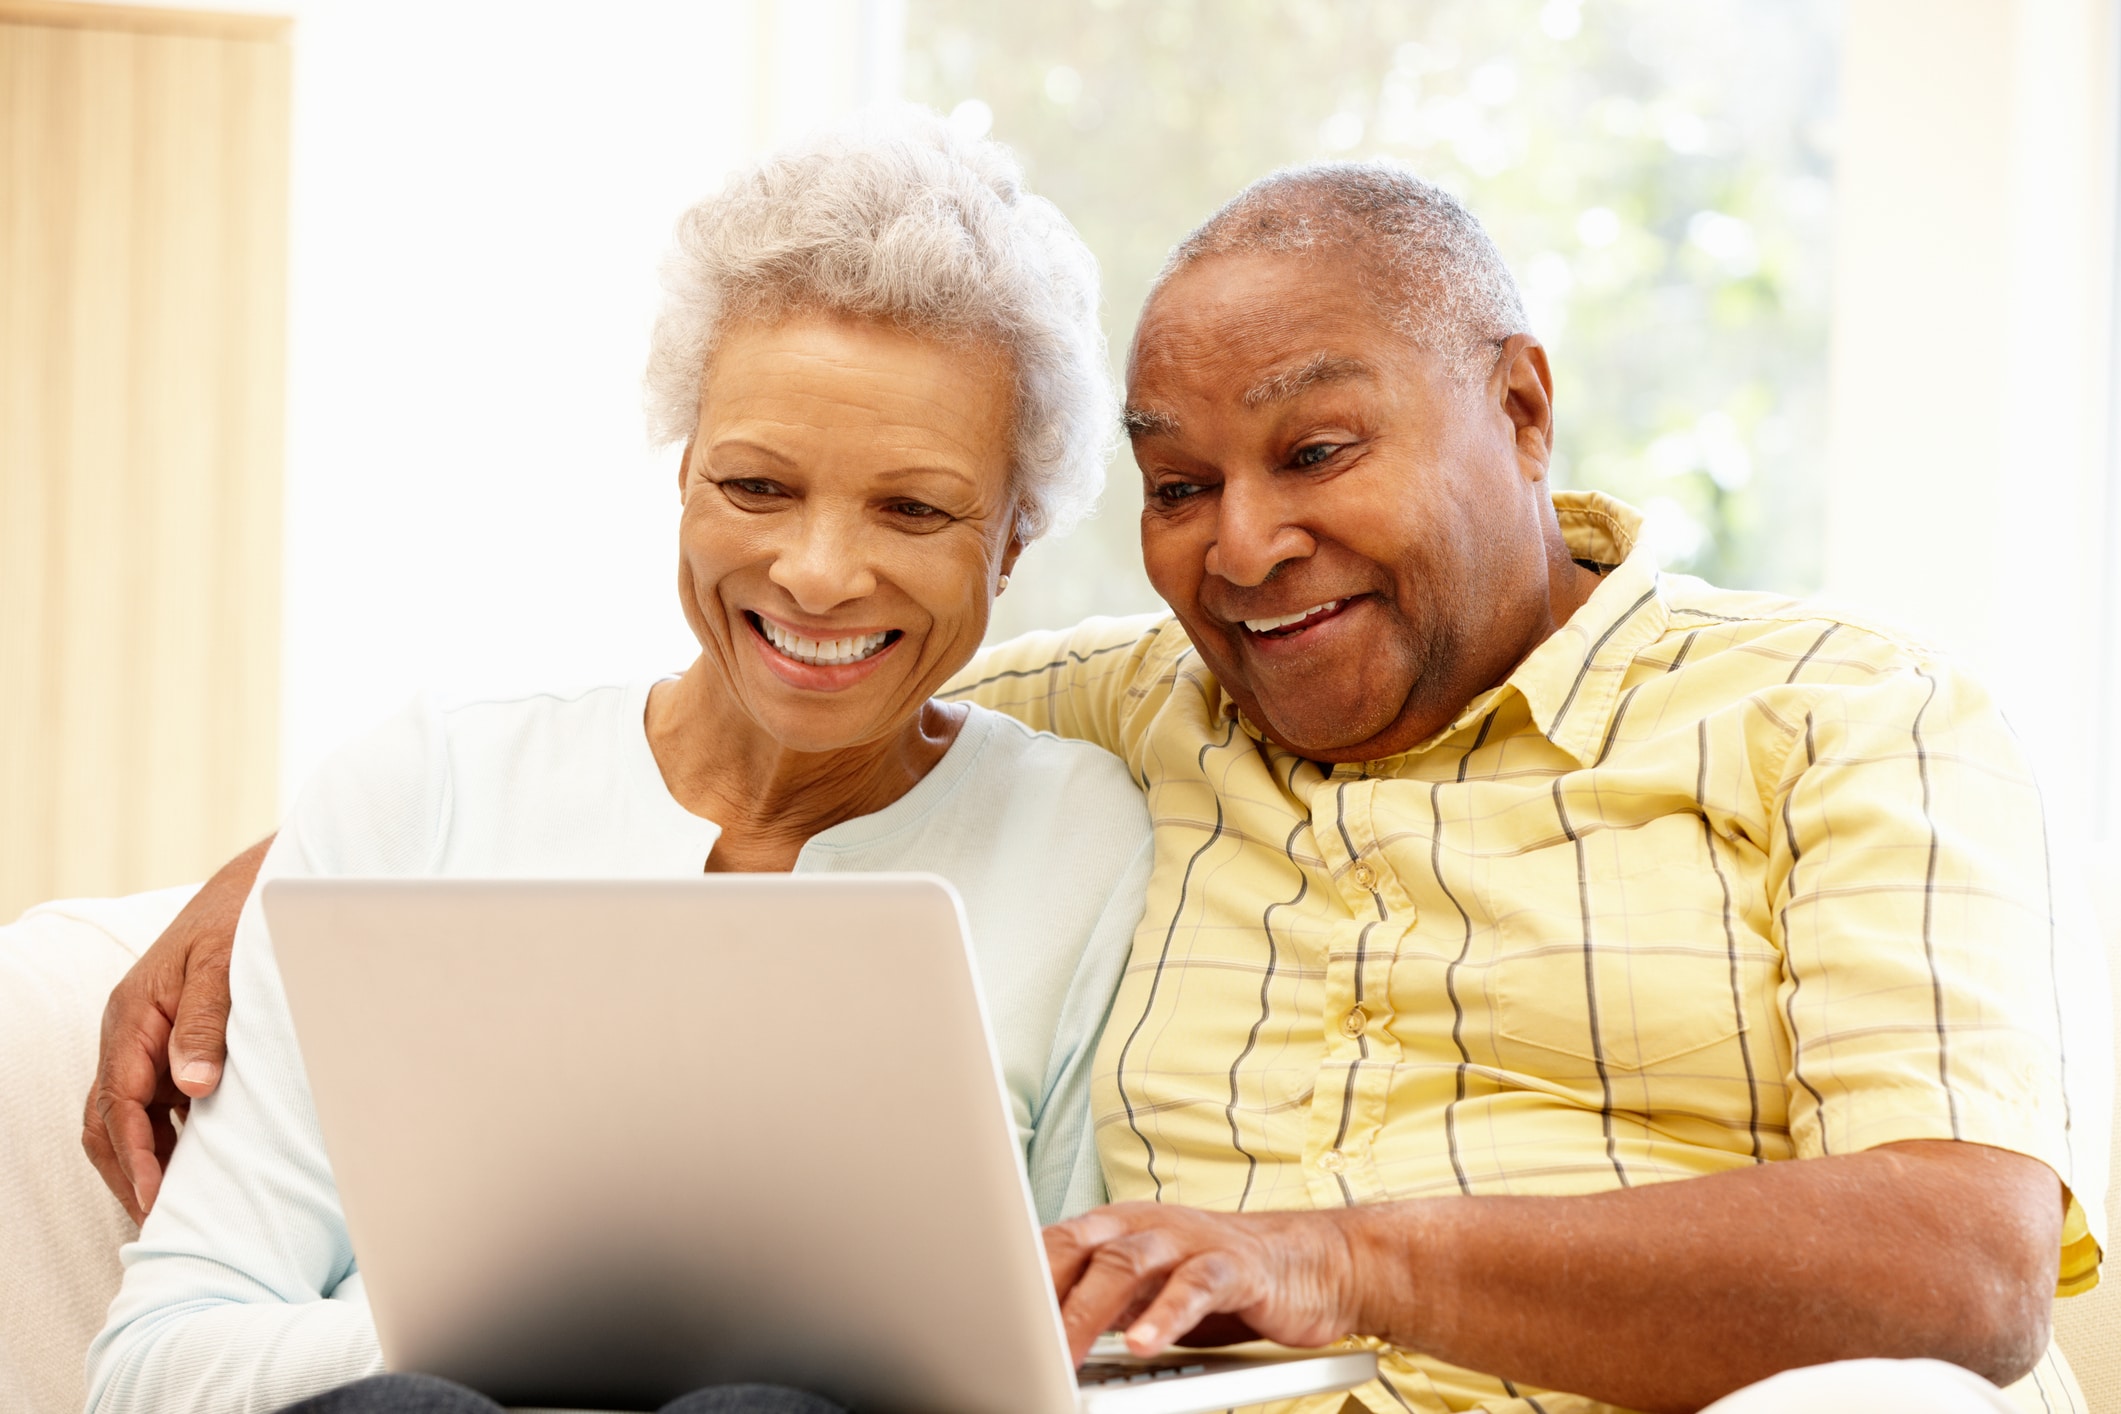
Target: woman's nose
(821, 566)
(1255, 531)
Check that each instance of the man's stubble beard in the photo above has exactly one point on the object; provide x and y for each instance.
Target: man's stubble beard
(1431, 648)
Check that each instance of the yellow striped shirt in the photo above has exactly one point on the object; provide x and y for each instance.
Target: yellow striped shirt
(1713, 879)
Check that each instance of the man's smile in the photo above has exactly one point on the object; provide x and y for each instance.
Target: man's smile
(1289, 625)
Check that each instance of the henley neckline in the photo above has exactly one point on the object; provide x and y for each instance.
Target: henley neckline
(694, 836)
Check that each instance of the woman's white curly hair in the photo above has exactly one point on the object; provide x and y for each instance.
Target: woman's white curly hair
(899, 218)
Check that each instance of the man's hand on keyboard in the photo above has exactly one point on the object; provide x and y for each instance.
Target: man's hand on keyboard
(1168, 1275)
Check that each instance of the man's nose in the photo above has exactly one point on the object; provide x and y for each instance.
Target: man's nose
(1256, 530)
(822, 564)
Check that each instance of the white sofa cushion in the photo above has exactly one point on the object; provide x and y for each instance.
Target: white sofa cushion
(61, 1231)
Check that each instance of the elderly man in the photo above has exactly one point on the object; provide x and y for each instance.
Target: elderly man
(1502, 883)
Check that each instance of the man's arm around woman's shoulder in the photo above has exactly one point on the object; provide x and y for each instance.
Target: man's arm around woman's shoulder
(1081, 682)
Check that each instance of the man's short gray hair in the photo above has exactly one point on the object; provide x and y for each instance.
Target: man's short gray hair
(900, 219)
(1428, 261)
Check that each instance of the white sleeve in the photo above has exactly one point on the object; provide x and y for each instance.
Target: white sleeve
(240, 1294)
(1065, 1176)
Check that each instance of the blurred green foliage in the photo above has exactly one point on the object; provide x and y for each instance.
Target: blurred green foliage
(1657, 173)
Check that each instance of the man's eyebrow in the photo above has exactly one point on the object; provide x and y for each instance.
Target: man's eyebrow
(1318, 369)
(1147, 422)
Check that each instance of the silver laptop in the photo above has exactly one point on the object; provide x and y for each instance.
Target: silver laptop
(602, 1143)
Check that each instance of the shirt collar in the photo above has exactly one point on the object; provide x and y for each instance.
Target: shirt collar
(1570, 683)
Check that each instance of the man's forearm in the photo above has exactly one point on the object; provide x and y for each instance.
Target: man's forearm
(1670, 1296)
(1072, 682)
(231, 883)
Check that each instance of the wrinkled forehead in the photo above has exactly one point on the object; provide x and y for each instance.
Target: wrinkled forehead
(1258, 328)
(1296, 376)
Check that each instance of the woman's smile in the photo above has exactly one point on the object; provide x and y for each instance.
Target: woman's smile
(819, 661)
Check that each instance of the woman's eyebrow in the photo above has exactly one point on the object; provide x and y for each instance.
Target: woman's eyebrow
(1320, 368)
(737, 441)
(747, 444)
(900, 473)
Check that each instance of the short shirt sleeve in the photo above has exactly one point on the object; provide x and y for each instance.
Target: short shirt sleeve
(1081, 683)
(1926, 964)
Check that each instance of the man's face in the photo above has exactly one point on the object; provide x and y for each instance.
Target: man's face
(1357, 543)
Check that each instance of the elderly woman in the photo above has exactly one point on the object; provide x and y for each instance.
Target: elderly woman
(883, 359)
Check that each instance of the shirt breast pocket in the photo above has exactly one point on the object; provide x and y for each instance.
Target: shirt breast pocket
(1631, 970)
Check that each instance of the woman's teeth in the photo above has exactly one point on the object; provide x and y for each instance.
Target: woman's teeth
(822, 652)
(1269, 625)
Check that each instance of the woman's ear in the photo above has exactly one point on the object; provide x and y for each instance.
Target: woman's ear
(684, 465)
(1014, 548)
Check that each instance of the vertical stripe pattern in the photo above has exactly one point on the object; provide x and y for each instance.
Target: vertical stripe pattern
(1711, 880)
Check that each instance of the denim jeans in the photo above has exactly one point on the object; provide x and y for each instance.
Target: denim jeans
(424, 1394)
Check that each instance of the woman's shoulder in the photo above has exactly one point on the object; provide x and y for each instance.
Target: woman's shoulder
(1018, 758)
(1048, 843)
(1072, 796)
(383, 801)
(432, 734)
(509, 732)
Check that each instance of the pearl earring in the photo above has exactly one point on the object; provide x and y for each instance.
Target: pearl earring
(1001, 584)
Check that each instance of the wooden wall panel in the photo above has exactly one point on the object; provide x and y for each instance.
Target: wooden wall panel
(143, 210)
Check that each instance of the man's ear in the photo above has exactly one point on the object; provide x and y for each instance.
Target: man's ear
(684, 465)
(1523, 387)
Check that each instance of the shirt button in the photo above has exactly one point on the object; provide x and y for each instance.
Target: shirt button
(1364, 877)
(1332, 1161)
(1354, 1022)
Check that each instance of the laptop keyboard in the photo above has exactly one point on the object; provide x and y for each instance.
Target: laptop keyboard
(1111, 1372)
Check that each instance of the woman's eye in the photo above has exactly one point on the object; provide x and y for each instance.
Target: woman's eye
(917, 510)
(751, 486)
(1172, 492)
(1314, 454)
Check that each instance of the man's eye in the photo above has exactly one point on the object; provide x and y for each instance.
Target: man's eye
(1314, 454)
(1172, 492)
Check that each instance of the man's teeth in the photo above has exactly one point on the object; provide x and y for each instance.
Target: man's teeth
(1269, 625)
(825, 652)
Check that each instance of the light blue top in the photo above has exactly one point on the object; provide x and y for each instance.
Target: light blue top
(241, 1293)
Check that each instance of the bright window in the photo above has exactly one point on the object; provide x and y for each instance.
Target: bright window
(1657, 172)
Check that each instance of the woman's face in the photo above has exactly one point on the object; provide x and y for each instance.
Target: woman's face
(847, 515)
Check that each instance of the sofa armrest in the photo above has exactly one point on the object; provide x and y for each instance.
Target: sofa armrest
(59, 1243)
